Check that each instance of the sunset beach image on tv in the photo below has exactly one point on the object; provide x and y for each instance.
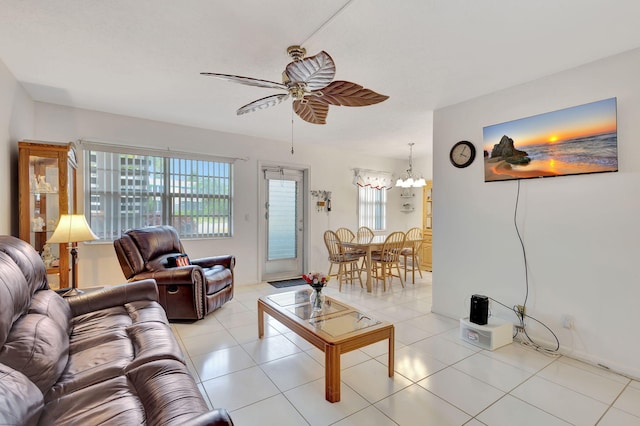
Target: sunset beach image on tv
(577, 140)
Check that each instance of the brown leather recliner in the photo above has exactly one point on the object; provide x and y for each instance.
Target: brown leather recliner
(185, 292)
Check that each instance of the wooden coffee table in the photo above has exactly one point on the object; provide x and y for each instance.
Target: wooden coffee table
(335, 330)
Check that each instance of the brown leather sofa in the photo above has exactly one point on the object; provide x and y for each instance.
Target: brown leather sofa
(104, 357)
(186, 292)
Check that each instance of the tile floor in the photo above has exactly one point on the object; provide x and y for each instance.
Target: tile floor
(439, 379)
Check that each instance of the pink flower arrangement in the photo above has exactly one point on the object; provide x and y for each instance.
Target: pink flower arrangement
(315, 279)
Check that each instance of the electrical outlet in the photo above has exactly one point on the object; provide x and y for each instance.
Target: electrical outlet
(522, 311)
(567, 322)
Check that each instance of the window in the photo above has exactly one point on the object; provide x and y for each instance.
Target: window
(128, 188)
(372, 208)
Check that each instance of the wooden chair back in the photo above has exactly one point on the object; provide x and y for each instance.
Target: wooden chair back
(392, 247)
(345, 234)
(365, 234)
(334, 248)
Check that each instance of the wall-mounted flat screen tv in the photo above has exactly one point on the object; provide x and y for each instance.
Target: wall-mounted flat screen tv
(577, 140)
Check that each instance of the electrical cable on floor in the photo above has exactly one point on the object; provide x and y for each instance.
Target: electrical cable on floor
(519, 314)
(522, 326)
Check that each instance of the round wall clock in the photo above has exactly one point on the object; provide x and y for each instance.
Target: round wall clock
(462, 154)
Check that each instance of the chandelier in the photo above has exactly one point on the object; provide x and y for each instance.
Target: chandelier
(409, 181)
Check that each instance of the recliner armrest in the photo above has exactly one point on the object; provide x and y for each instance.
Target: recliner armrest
(179, 275)
(228, 261)
(113, 296)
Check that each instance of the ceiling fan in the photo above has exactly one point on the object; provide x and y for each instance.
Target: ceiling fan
(309, 82)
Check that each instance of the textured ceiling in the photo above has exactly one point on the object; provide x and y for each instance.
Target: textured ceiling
(142, 58)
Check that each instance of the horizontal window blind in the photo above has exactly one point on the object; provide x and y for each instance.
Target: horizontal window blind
(128, 190)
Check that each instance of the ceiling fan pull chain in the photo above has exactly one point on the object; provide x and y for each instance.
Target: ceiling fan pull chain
(291, 131)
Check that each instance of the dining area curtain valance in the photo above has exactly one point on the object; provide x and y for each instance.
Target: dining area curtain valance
(373, 178)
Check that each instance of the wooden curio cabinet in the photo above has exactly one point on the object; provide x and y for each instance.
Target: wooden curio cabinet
(427, 226)
(47, 189)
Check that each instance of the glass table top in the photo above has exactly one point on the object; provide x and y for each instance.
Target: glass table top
(343, 324)
(335, 318)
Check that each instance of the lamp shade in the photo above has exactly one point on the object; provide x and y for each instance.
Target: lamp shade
(72, 228)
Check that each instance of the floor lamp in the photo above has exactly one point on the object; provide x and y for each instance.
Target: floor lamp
(72, 228)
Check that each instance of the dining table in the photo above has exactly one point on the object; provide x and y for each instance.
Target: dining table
(369, 245)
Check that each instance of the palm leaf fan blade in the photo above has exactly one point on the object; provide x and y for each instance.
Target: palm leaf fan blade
(311, 111)
(248, 81)
(315, 71)
(346, 93)
(263, 103)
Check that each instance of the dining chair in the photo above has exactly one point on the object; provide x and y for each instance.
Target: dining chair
(412, 249)
(345, 234)
(347, 262)
(388, 257)
(365, 233)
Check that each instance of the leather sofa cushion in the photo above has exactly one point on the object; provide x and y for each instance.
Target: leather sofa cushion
(15, 295)
(111, 402)
(157, 393)
(20, 400)
(28, 260)
(49, 303)
(38, 348)
(167, 391)
(107, 343)
(217, 278)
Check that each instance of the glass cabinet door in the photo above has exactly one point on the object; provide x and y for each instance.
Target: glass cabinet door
(47, 190)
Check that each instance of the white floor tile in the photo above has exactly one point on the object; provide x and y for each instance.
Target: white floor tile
(370, 416)
(489, 370)
(580, 380)
(510, 411)
(205, 343)
(274, 411)
(443, 350)
(465, 392)
(414, 364)
(417, 406)
(293, 370)
(249, 333)
(239, 389)
(406, 333)
(594, 369)
(221, 362)
(522, 357)
(270, 348)
(560, 401)
(616, 417)
(371, 380)
(310, 401)
(629, 400)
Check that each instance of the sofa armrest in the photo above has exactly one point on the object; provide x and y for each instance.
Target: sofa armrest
(217, 417)
(228, 261)
(178, 275)
(113, 296)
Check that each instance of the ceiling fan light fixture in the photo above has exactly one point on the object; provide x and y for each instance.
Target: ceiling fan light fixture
(409, 181)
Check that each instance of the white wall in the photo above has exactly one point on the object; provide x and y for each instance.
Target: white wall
(581, 233)
(329, 170)
(16, 121)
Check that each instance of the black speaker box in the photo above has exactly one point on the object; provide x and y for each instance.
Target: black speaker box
(479, 309)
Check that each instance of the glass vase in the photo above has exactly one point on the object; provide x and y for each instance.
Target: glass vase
(316, 298)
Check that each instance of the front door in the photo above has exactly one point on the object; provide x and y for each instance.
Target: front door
(284, 223)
